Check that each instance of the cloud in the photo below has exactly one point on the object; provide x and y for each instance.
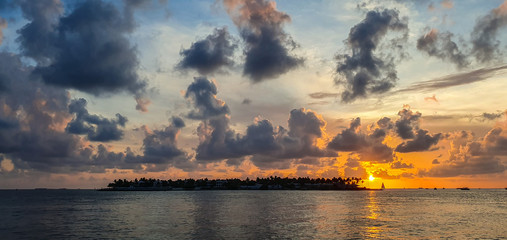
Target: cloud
(217, 141)
(407, 127)
(455, 79)
(34, 118)
(246, 101)
(160, 146)
(202, 93)
(407, 123)
(439, 44)
(432, 98)
(471, 157)
(33, 137)
(268, 46)
(364, 71)
(485, 46)
(210, 54)
(491, 116)
(383, 174)
(3, 25)
(320, 95)
(447, 4)
(353, 168)
(37, 38)
(401, 165)
(96, 127)
(435, 161)
(87, 50)
(421, 142)
(370, 147)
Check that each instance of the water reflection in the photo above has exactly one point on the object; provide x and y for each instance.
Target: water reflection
(374, 229)
(389, 214)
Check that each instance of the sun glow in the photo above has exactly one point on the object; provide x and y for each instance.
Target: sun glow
(371, 178)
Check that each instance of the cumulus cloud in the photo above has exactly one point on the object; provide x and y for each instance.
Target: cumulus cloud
(210, 54)
(421, 142)
(34, 118)
(471, 157)
(365, 71)
(268, 46)
(370, 146)
(407, 122)
(88, 49)
(160, 146)
(407, 127)
(202, 93)
(96, 127)
(485, 46)
(262, 140)
(440, 45)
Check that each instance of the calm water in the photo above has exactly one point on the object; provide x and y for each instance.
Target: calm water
(391, 214)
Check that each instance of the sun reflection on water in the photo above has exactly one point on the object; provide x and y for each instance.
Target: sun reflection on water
(373, 229)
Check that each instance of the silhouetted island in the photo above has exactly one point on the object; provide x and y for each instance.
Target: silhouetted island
(270, 183)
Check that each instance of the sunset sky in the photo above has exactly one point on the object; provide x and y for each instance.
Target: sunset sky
(409, 92)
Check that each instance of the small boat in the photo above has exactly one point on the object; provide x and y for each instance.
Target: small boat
(383, 187)
(464, 188)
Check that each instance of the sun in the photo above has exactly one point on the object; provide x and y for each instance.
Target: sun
(371, 178)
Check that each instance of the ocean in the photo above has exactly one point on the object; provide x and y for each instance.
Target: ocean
(389, 214)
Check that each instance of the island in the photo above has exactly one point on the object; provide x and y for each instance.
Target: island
(269, 183)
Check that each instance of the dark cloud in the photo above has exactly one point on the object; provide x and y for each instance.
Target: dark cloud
(246, 101)
(407, 123)
(35, 114)
(349, 139)
(407, 127)
(319, 95)
(471, 157)
(210, 54)
(34, 117)
(262, 138)
(365, 72)
(95, 127)
(268, 46)
(440, 45)
(218, 141)
(87, 50)
(202, 93)
(454, 80)
(491, 116)
(485, 46)
(370, 146)
(401, 165)
(38, 38)
(160, 146)
(421, 142)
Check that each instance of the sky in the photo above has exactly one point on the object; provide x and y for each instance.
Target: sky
(409, 92)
